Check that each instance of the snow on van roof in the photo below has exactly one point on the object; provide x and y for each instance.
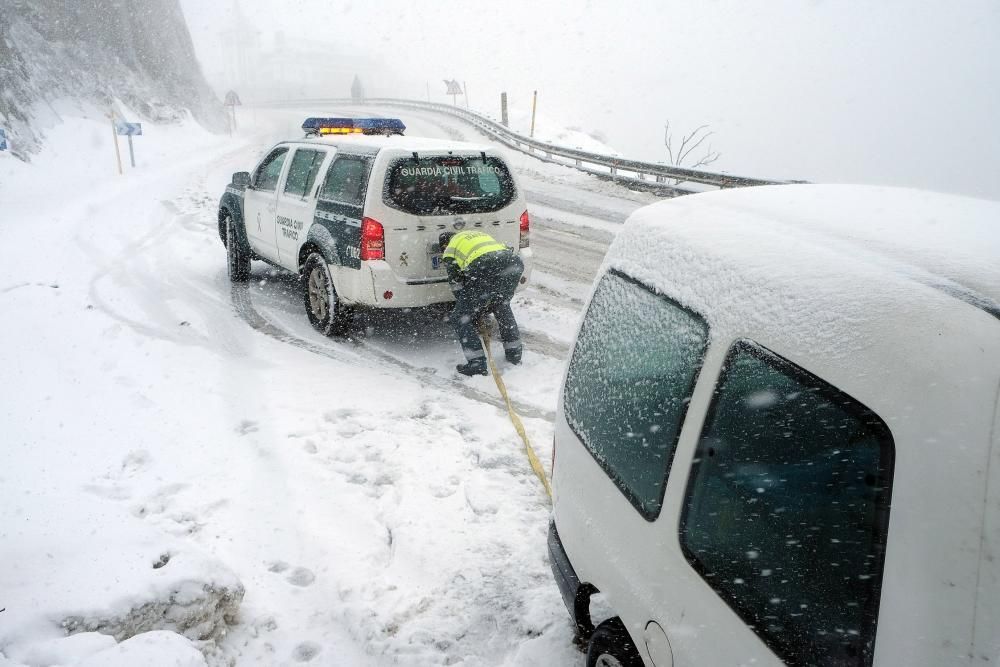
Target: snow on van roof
(404, 143)
(810, 261)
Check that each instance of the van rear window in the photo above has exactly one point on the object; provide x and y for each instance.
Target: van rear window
(447, 185)
(629, 382)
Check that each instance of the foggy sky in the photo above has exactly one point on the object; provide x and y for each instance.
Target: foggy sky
(905, 92)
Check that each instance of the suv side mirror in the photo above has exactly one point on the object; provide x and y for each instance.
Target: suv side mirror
(241, 179)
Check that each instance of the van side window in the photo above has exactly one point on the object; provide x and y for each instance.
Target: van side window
(267, 174)
(346, 181)
(302, 171)
(787, 508)
(629, 382)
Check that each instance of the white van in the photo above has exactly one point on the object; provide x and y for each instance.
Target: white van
(356, 209)
(778, 441)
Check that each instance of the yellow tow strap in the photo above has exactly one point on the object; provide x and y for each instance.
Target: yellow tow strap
(536, 465)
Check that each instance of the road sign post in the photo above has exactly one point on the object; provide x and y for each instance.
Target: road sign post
(232, 101)
(503, 110)
(129, 130)
(454, 89)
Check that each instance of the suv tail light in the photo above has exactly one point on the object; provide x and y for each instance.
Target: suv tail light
(525, 228)
(372, 240)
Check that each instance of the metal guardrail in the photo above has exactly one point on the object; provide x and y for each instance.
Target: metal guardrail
(594, 163)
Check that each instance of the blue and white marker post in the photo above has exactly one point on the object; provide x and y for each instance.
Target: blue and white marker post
(129, 130)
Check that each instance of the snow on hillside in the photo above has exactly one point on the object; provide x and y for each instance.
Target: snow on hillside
(138, 51)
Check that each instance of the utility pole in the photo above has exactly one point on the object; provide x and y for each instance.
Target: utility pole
(503, 110)
(534, 105)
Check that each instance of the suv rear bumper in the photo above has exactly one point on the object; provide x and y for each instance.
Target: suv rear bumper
(369, 285)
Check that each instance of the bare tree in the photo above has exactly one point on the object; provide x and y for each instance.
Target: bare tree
(683, 157)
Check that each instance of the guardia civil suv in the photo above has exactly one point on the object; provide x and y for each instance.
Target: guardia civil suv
(356, 209)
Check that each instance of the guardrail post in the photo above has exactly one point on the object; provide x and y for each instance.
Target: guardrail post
(614, 169)
(579, 163)
(661, 179)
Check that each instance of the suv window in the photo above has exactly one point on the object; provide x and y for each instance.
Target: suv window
(302, 171)
(346, 181)
(629, 382)
(448, 185)
(267, 174)
(787, 508)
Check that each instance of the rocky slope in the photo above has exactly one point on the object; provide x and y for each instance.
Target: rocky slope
(87, 54)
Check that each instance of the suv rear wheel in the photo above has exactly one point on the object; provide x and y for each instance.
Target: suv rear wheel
(326, 313)
(237, 258)
(611, 646)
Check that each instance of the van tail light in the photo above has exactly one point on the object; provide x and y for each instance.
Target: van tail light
(525, 228)
(372, 240)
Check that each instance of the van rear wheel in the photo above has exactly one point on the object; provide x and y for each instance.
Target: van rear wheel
(323, 307)
(611, 646)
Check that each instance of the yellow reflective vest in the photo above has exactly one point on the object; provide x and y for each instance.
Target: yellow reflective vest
(465, 247)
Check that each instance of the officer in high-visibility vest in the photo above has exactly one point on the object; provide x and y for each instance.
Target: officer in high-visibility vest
(483, 274)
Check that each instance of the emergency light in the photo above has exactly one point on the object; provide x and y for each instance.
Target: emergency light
(322, 126)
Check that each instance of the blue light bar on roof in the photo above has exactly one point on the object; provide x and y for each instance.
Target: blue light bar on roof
(321, 126)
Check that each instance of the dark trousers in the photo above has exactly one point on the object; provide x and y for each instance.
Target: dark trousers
(488, 286)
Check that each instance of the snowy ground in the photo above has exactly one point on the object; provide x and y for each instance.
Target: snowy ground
(169, 437)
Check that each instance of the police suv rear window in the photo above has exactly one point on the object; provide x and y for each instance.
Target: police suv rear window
(448, 185)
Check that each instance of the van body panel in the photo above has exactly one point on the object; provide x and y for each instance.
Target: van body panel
(986, 648)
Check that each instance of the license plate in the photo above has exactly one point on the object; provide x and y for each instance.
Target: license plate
(435, 261)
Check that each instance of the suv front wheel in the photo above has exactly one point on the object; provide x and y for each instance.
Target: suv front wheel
(611, 646)
(237, 258)
(326, 313)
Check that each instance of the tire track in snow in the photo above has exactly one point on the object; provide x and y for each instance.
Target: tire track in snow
(244, 307)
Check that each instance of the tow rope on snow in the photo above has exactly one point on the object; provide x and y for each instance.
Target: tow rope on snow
(536, 465)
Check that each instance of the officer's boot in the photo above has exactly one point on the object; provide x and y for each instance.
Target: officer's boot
(475, 366)
(513, 355)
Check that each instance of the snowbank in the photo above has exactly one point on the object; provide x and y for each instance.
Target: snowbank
(91, 649)
(76, 559)
(75, 563)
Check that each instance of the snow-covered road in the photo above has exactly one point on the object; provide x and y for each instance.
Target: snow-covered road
(376, 507)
